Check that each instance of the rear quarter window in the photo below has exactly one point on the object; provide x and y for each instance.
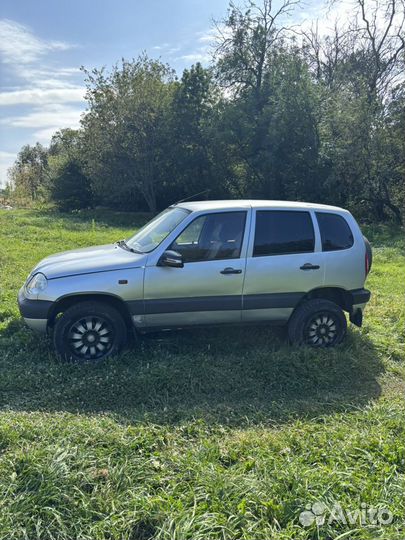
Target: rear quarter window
(335, 232)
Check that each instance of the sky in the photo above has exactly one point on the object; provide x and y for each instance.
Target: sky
(43, 43)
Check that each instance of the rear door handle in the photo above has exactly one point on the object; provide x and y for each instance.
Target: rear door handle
(309, 266)
(230, 270)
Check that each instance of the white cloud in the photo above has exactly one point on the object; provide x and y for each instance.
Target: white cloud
(51, 115)
(209, 36)
(25, 55)
(6, 161)
(200, 55)
(172, 50)
(161, 47)
(35, 73)
(52, 93)
(166, 49)
(40, 124)
(203, 52)
(325, 16)
(19, 45)
(44, 135)
(208, 40)
(38, 96)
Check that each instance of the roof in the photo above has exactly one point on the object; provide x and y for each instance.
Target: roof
(241, 204)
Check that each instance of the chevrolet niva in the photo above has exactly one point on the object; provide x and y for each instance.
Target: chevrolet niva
(206, 263)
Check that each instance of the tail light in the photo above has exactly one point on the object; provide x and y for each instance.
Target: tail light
(367, 263)
(368, 257)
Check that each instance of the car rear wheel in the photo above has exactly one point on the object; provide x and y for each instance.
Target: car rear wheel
(89, 332)
(317, 323)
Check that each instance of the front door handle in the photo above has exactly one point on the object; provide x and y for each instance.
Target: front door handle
(230, 270)
(309, 266)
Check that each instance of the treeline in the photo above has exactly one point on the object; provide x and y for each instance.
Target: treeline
(282, 113)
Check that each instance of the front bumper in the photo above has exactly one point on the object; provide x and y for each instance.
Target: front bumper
(34, 312)
(38, 325)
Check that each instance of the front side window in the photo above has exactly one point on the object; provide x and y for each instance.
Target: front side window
(212, 237)
(153, 233)
(335, 232)
(282, 232)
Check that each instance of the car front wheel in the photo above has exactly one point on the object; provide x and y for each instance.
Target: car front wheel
(89, 332)
(317, 323)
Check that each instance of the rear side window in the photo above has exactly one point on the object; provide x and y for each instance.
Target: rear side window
(335, 232)
(281, 232)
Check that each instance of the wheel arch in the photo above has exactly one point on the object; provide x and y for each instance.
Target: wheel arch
(339, 296)
(65, 302)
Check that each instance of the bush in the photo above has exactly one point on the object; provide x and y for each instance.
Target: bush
(71, 188)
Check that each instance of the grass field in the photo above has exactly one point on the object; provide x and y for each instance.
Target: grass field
(205, 434)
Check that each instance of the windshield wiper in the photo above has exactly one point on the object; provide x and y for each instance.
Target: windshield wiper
(122, 244)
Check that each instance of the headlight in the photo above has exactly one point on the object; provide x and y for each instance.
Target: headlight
(36, 284)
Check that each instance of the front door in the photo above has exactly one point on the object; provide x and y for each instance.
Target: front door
(208, 289)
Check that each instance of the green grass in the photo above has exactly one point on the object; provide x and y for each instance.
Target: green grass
(204, 434)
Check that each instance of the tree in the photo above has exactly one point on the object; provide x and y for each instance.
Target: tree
(29, 174)
(381, 31)
(125, 129)
(67, 142)
(356, 70)
(369, 49)
(271, 116)
(385, 162)
(70, 187)
(280, 114)
(247, 39)
(189, 146)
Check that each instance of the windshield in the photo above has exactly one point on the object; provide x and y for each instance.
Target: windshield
(153, 233)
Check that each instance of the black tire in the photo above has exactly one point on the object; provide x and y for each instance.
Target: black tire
(317, 323)
(89, 332)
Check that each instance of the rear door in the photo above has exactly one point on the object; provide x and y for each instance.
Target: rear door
(284, 262)
(208, 289)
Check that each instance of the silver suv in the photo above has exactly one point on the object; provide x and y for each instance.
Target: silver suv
(210, 262)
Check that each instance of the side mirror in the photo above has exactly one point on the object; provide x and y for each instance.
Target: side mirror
(171, 258)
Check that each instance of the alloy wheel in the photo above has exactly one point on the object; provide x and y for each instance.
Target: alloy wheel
(321, 330)
(90, 338)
